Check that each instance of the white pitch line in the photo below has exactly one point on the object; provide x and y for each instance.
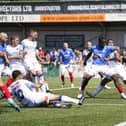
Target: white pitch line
(58, 89)
(67, 88)
(105, 104)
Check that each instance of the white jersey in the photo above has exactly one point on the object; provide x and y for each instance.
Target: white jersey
(22, 90)
(85, 53)
(30, 48)
(113, 63)
(14, 51)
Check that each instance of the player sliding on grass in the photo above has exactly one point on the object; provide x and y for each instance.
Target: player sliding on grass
(114, 62)
(99, 65)
(21, 89)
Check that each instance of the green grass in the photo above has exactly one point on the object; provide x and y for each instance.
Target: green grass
(105, 110)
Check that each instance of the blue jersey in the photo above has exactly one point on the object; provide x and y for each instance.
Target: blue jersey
(2, 49)
(101, 53)
(67, 55)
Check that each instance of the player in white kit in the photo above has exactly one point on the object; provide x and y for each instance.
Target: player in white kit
(31, 63)
(15, 55)
(21, 89)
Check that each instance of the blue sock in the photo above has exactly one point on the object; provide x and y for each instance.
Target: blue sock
(98, 89)
(41, 77)
(60, 98)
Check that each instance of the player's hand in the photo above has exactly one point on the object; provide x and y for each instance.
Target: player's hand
(71, 62)
(1, 53)
(24, 53)
(106, 59)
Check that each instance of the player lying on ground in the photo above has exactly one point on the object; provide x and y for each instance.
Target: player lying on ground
(21, 89)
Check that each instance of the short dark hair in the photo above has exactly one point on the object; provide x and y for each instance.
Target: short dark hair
(30, 31)
(14, 37)
(15, 74)
(101, 38)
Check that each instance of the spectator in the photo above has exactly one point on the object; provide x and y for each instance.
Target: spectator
(124, 57)
(41, 52)
(54, 56)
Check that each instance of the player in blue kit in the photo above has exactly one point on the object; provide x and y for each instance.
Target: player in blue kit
(99, 65)
(114, 62)
(66, 59)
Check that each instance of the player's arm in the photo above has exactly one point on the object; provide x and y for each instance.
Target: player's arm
(87, 57)
(60, 57)
(2, 54)
(117, 48)
(6, 58)
(37, 86)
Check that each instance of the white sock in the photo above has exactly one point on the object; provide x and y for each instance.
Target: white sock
(123, 95)
(69, 99)
(10, 99)
(43, 88)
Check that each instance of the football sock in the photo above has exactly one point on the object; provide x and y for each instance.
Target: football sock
(68, 99)
(120, 89)
(9, 81)
(6, 92)
(62, 78)
(41, 77)
(84, 82)
(98, 89)
(71, 77)
(34, 78)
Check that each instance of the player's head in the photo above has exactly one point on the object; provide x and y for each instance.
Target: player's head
(65, 45)
(15, 40)
(17, 75)
(33, 34)
(88, 45)
(110, 42)
(3, 37)
(101, 41)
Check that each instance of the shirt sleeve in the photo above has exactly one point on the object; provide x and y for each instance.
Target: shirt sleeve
(72, 54)
(29, 84)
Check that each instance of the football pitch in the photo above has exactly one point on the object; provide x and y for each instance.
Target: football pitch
(107, 109)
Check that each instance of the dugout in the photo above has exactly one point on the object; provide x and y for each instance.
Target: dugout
(75, 21)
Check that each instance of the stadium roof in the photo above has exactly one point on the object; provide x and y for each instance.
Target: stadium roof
(54, 0)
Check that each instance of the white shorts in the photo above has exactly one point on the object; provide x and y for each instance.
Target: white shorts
(35, 99)
(95, 69)
(32, 64)
(120, 70)
(19, 67)
(1, 68)
(66, 68)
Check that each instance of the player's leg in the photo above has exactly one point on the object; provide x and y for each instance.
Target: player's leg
(100, 87)
(71, 76)
(62, 74)
(106, 86)
(7, 94)
(63, 98)
(118, 86)
(84, 82)
(112, 73)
